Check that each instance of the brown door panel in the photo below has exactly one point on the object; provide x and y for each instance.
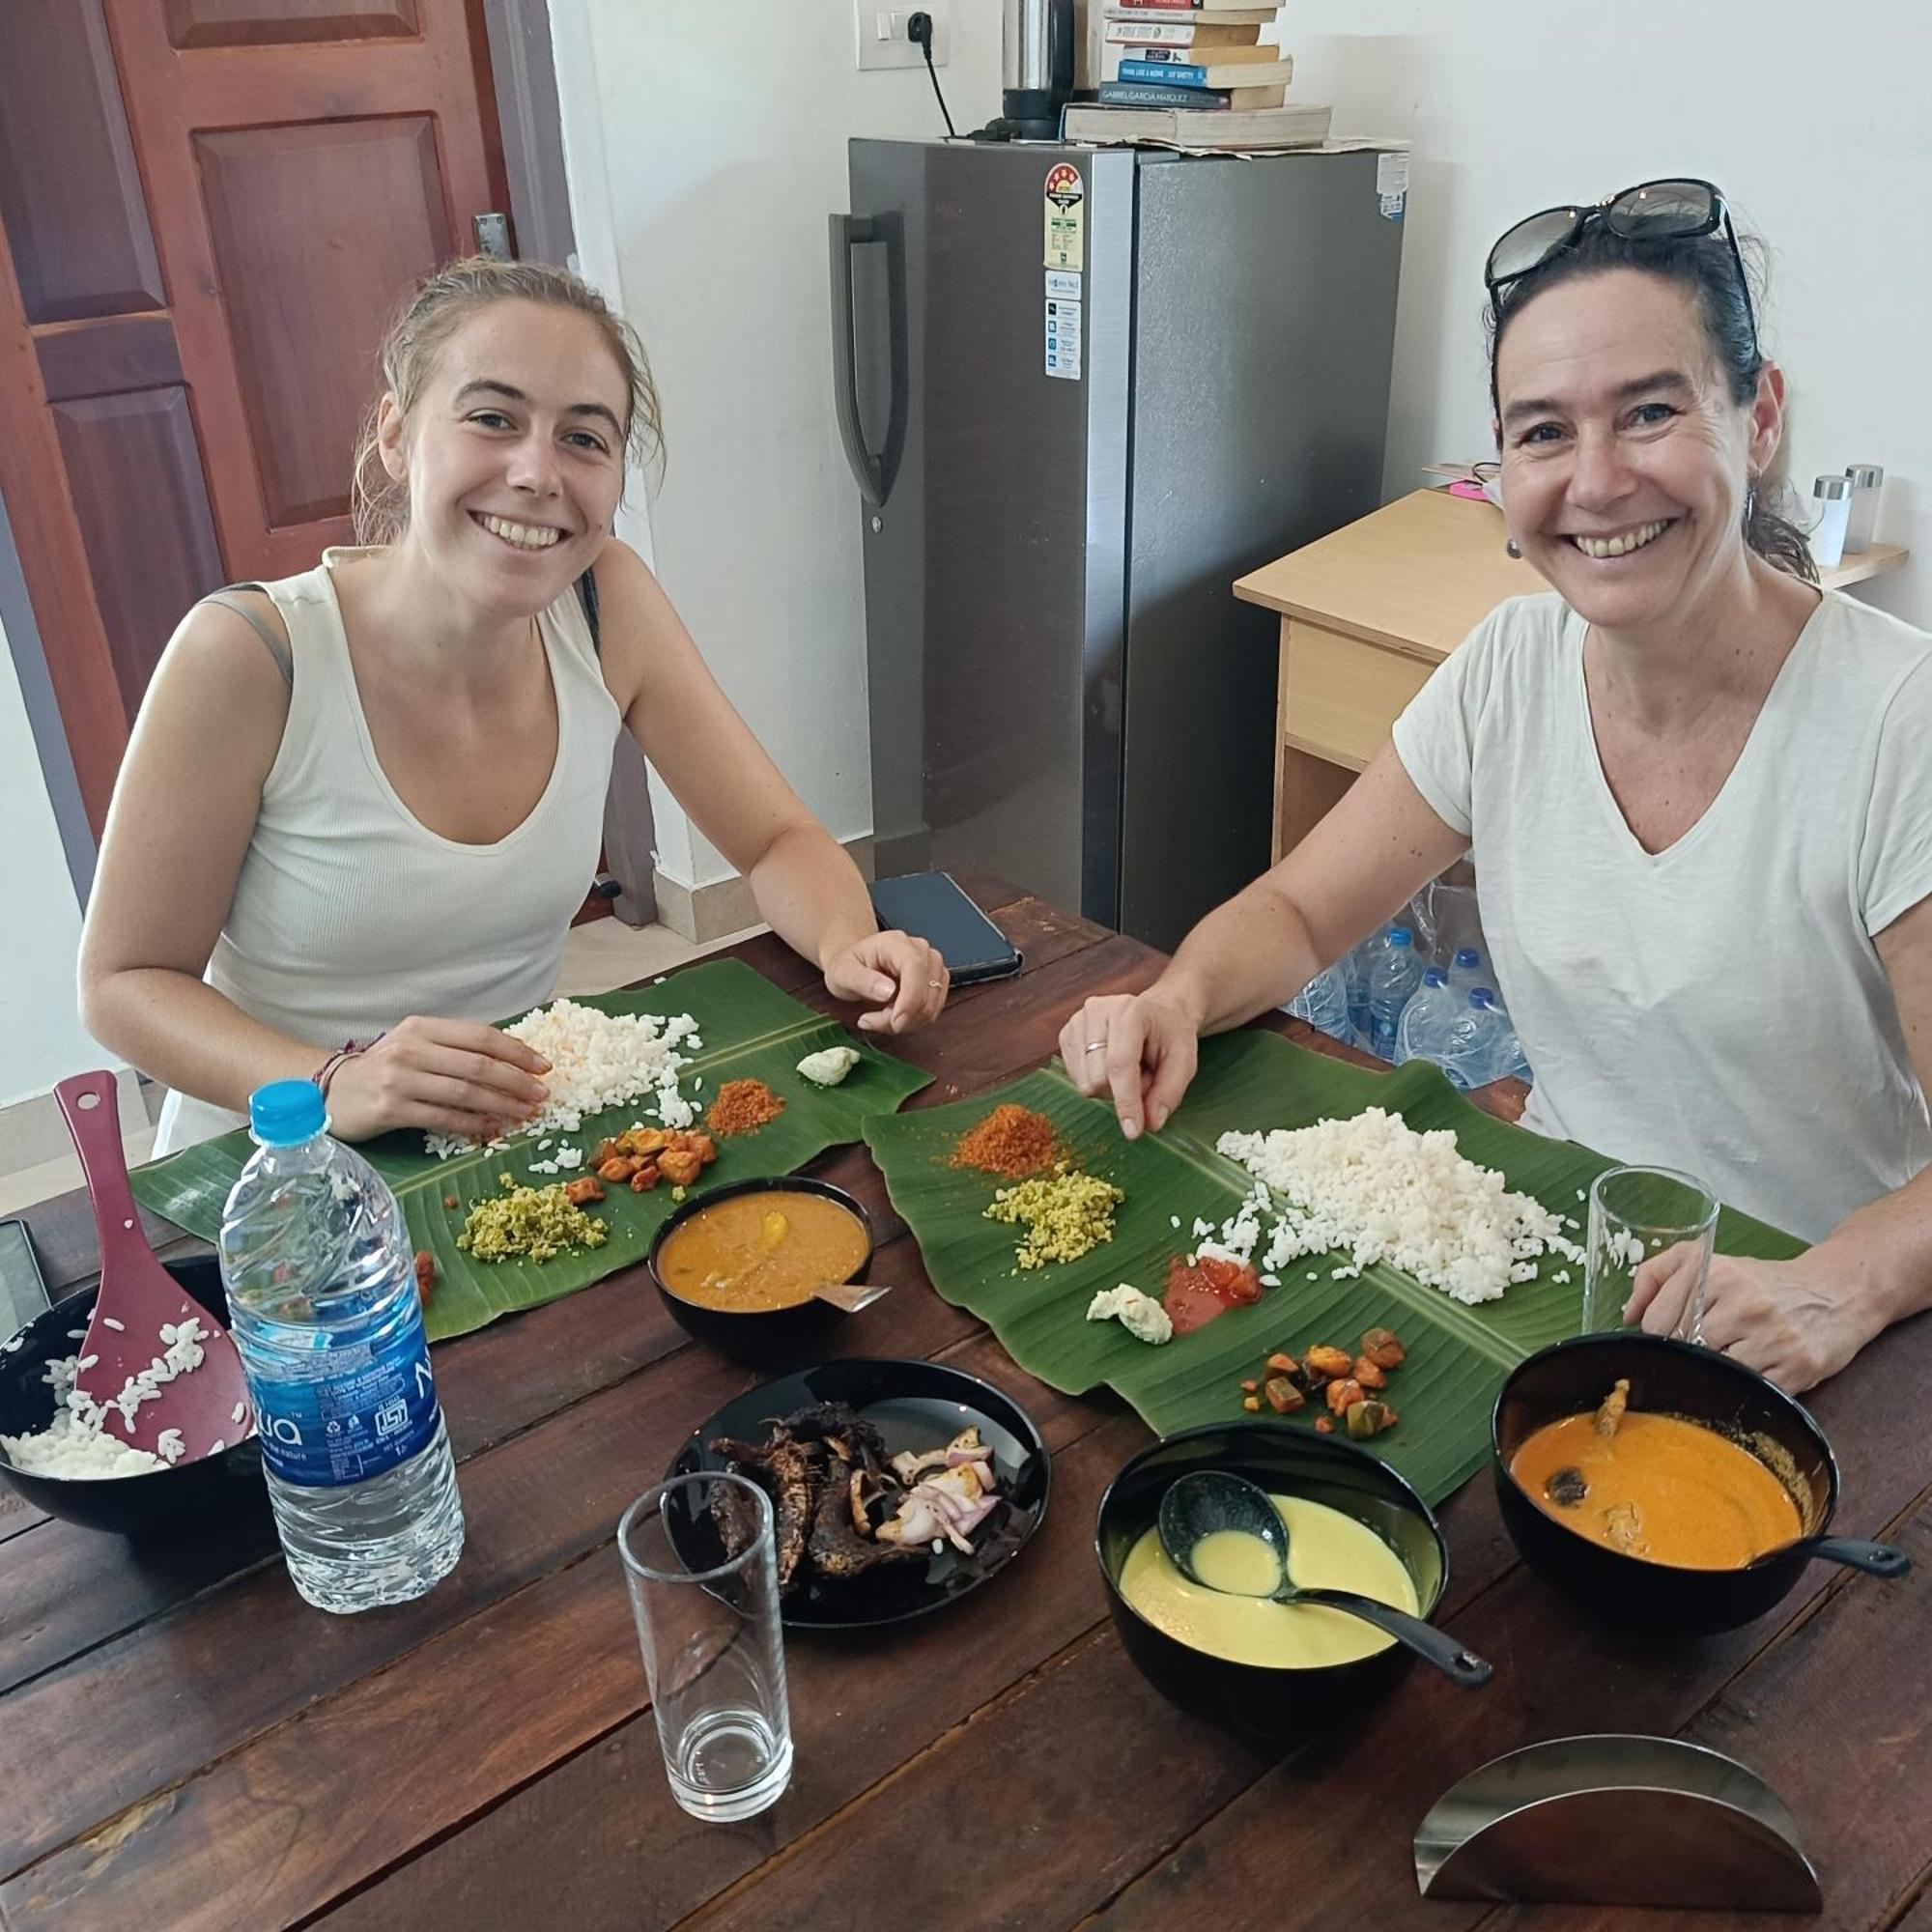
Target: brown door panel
(207, 211)
(298, 189)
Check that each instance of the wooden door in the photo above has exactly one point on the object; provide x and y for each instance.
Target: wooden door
(208, 210)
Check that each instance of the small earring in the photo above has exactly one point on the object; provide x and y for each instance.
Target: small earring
(1514, 549)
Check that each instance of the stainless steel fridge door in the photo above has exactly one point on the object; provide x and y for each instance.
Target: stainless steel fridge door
(1263, 335)
(993, 562)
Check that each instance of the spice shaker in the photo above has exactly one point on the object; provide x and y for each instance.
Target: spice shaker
(1868, 480)
(1831, 509)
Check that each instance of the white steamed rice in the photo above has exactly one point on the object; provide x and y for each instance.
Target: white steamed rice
(1377, 1189)
(77, 1444)
(598, 1060)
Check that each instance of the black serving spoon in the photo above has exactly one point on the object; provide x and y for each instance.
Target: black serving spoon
(1206, 1500)
(1875, 1559)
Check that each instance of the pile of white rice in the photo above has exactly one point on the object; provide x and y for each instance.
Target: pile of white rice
(77, 1444)
(599, 1059)
(1374, 1187)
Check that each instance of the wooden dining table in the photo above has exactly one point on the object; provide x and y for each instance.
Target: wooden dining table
(184, 1743)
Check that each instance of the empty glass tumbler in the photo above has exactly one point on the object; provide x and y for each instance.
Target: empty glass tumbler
(714, 1652)
(1638, 1213)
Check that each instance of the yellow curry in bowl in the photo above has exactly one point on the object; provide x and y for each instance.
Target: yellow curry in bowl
(1664, 1489)
(1229, 1615)
(750, 1253)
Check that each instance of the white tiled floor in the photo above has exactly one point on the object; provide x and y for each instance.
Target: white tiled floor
(605, 954)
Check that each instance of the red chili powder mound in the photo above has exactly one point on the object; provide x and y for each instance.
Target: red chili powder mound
(1012, 1142)
(743, 1107)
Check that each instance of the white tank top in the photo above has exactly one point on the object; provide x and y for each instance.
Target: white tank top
(348, 914)
(1720, 1006)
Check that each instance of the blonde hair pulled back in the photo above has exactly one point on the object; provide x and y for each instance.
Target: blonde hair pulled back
(379, 502)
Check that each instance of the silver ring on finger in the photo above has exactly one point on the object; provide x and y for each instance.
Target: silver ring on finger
(1096, 1046)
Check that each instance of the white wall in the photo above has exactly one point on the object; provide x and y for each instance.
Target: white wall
(719, 144)
(707, 146)
(41, 1036)
(1812, 121)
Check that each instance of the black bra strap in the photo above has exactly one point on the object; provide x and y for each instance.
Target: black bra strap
(587, 590)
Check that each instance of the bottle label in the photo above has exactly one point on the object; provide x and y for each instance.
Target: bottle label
(352, 1412)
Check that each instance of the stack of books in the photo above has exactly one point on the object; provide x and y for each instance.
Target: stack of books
(1195, 74)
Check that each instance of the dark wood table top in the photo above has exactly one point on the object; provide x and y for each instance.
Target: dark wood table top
(183, 1744)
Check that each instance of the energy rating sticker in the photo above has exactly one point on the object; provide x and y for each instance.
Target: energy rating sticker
(1066, 217)
(1062, 339)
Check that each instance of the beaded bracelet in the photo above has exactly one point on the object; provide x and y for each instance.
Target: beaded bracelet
(332, 1066)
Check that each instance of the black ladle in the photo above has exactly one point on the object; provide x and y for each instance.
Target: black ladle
(1207, 1501)
(1875, 1559)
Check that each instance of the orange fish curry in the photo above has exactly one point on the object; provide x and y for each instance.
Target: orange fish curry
(1657, 1487)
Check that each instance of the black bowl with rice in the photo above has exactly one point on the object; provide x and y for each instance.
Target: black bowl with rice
(225, 1487)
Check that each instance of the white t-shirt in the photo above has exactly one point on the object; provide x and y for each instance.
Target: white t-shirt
(1718, 1007)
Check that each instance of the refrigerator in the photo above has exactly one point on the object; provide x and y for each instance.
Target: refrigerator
(1082, 390)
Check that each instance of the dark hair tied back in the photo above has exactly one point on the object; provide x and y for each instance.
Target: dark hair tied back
(1701, 264)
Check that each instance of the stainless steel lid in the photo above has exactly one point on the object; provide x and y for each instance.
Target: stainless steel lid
(1830, 488)
(1864, 475)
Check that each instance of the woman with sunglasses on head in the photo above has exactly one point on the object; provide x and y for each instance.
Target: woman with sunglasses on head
(1696, 789)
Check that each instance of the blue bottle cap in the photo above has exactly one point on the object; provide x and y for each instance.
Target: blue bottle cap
(1481, 996)
(1400, 935)
(1468, 957)
(1435, 976)
(285, 1113)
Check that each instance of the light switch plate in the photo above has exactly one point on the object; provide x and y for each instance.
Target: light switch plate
(881, 30)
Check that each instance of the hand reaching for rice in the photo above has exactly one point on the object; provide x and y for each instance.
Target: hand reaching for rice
(905, 975)
(444, 1076)
(1139, 1049)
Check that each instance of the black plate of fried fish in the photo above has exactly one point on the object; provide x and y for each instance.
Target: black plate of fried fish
(896, 1487)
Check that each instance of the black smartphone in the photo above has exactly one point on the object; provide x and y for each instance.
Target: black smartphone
(931, 906)
(23, 1289)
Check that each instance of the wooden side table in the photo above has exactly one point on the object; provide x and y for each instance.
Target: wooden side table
(1369, 612)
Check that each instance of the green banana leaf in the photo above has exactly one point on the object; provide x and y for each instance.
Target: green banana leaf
(1457, 1356)
(749, 1028)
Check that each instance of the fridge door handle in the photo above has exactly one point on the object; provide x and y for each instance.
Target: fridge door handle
(874, 472)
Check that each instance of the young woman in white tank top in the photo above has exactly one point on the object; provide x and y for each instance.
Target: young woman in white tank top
(365, 801)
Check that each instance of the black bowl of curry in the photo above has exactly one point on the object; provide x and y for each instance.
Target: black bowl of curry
(1661, 1483)
(1272, 1672)
(737, 1264)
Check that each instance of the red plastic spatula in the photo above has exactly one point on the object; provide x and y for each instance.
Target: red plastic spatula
(139, 1300)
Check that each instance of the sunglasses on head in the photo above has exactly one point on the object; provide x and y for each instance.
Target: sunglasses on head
(1658, 210)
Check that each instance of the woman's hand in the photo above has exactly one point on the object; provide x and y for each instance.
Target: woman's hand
(905, 974)
(444, 1076)
(1786, 1320)
(1141, 1047)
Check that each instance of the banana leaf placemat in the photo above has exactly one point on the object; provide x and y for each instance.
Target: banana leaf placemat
(749, 1030)
(1457, 1356)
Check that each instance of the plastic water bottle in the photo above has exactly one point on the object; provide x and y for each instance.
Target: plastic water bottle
(1356, 966)
(1424, 1031)
(1465, 973)
(1395, 975)
(1325, 1002)
(322, 1301)
(1514, 1061)
(1473, 1050)
(1420, 918)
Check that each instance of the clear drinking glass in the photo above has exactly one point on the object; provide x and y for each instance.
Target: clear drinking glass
(1636, 1213)
(714, 1653)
